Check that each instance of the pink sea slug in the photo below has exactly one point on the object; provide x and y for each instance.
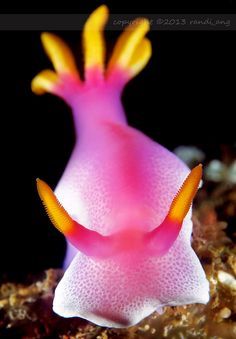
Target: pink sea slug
(123, 202)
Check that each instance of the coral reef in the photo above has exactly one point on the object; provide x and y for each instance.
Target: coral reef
(26, 309)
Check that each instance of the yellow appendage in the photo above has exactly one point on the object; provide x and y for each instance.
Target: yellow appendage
(181, 203)
(59, 53)
(57, 214)
(128, 47)
(131, 52)
(44, 82)
(140, 57)
(93, 40)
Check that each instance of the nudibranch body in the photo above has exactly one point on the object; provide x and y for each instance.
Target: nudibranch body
(124, 201)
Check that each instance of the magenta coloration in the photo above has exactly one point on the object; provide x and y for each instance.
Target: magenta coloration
(117, 178)
(121, 184)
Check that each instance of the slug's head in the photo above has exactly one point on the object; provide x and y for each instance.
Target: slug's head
(131, 239)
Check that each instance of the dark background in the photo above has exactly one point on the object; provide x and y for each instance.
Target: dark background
(147, 6)
(186, 95)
